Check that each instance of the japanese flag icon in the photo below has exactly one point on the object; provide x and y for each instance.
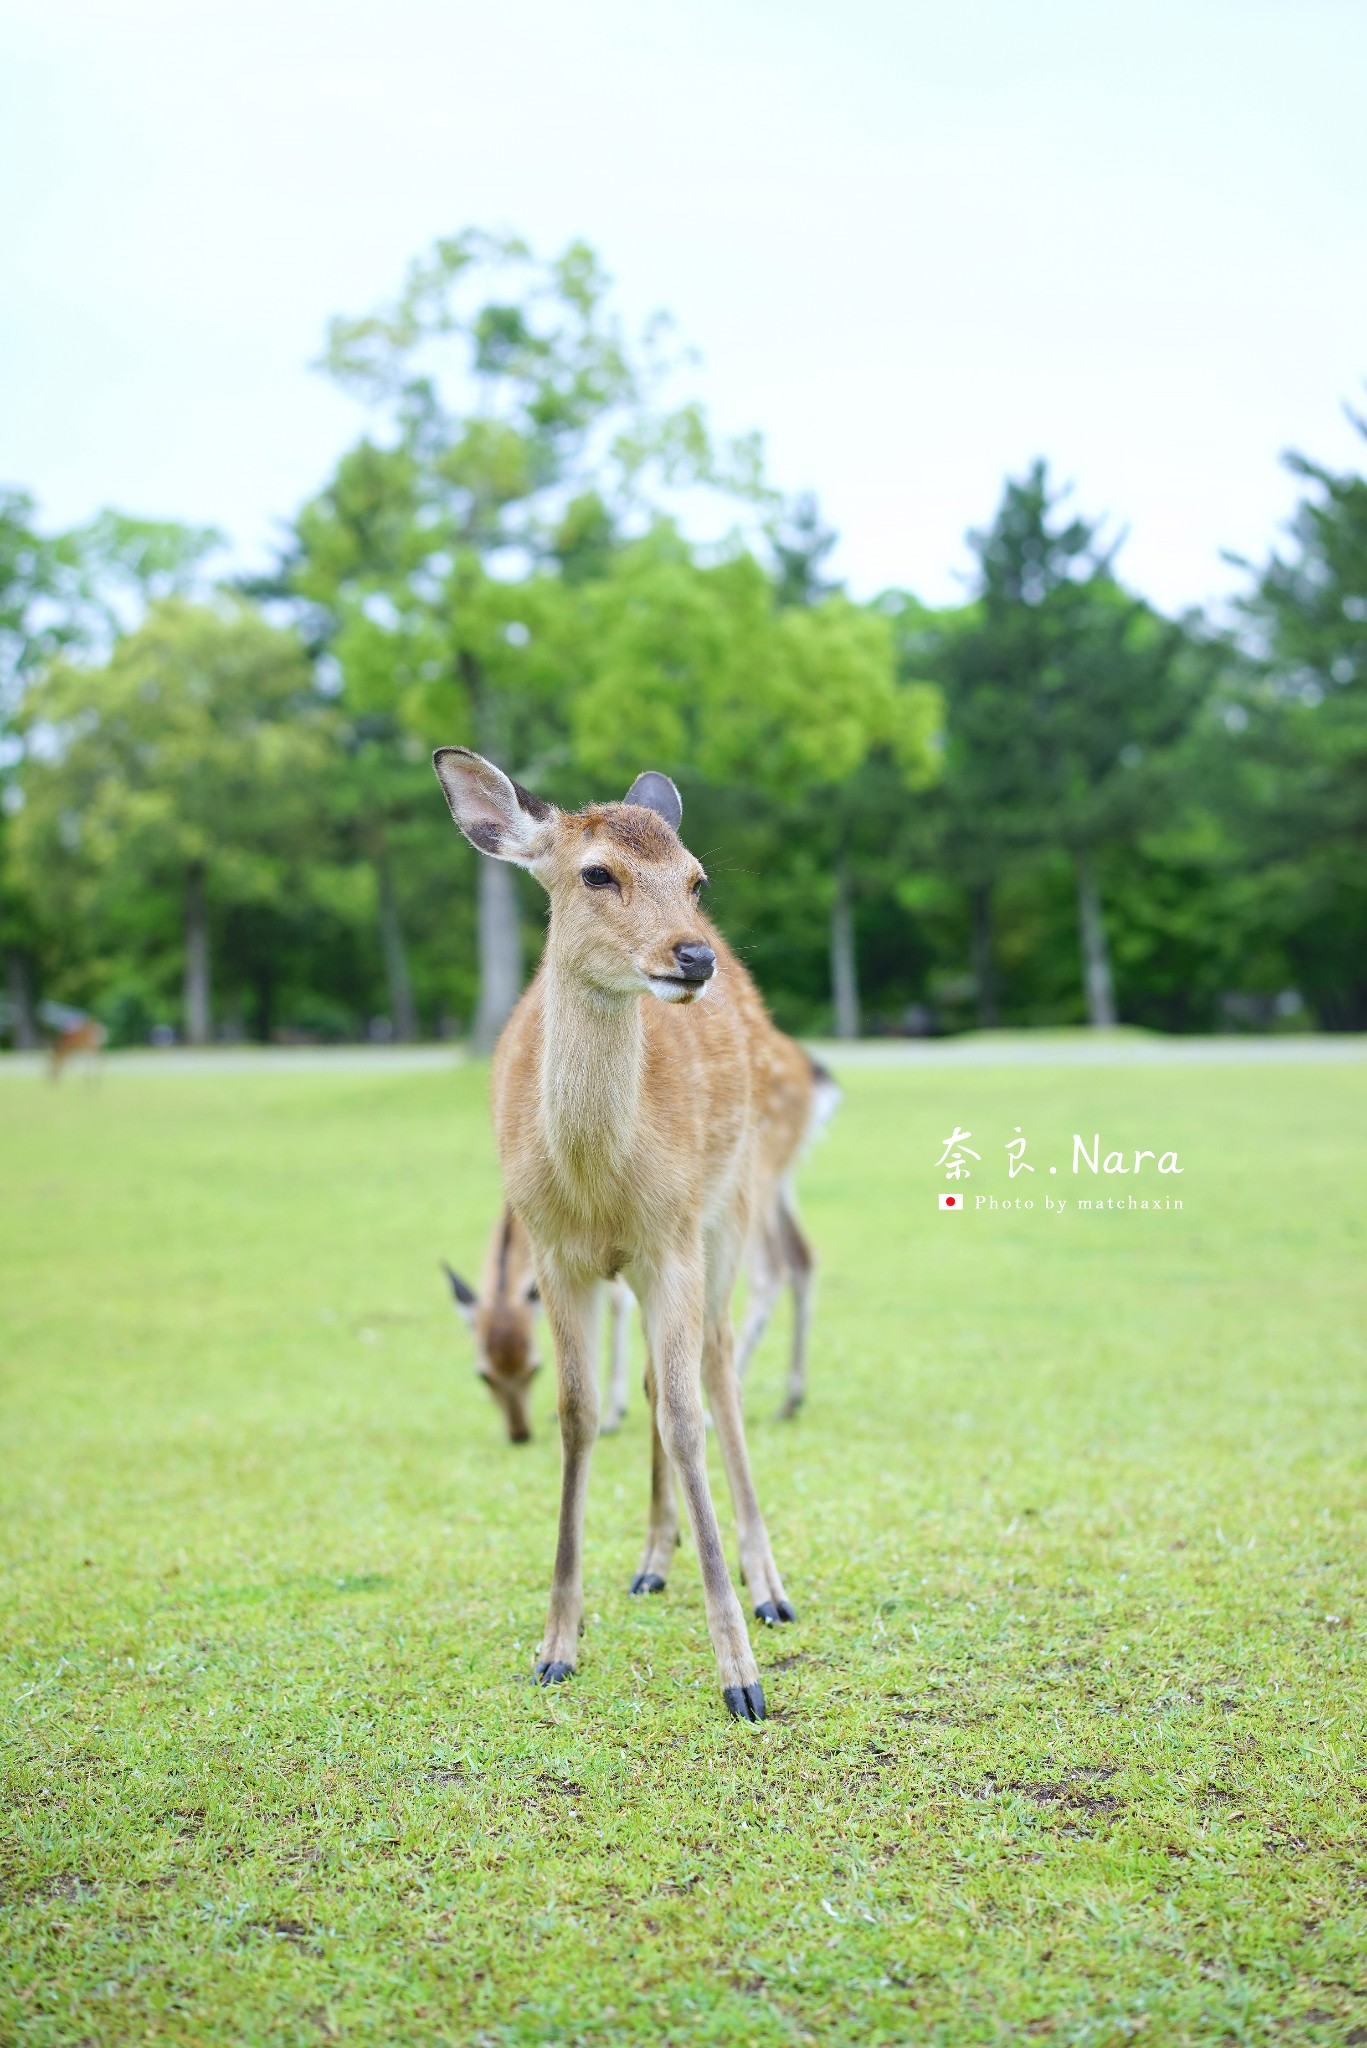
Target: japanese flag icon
(954, 1202)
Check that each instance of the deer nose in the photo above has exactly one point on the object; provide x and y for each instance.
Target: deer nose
(696, 963)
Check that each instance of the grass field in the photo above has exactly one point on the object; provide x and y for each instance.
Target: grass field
(1066, 1744)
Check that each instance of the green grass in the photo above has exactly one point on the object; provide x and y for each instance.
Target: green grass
(1067, 1742)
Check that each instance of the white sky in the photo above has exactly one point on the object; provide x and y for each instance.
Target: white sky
(915, 244)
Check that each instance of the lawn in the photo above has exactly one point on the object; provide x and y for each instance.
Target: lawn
(1065, 1745)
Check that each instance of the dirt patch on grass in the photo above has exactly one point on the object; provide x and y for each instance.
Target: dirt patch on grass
(70, 1887)
(559, 1788)
(1077, 1792)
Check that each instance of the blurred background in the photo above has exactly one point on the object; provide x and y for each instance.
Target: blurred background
(978, 535)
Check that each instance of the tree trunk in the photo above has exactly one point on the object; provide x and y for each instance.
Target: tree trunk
(1096, 959)
(197, 1017)
(844, 962)
(500, 936)
(500, 952)
(395, 955)
(263, 1007)
(26, 1036)
(983, 956)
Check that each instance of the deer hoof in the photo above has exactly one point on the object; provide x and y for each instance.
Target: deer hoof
(553, 1672)
(647, 1582)
(745, 1702)
(774, 1611)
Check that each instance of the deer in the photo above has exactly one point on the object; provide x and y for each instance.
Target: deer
(796, 1099)
(85, 1035)
(502, 1319)
(626, 1092)
(502, 1316)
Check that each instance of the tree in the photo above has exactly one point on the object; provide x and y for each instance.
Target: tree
(357, 540)
(1064, 698)
(179, 777)
(800, 545)
(34, 625)
(521, 437)
(120, 566)
(1302, 732)
(62, 593)
(839, 815)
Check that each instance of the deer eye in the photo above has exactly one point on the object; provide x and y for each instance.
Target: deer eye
(598, 878)
(699, 885)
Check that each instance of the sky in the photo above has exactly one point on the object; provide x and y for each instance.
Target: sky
(915, 245)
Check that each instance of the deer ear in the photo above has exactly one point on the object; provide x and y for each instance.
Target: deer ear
(466, 1298)
(495, 813)
(655, 792)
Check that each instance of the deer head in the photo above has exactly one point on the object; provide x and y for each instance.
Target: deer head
(504, 1331)
(625, 892)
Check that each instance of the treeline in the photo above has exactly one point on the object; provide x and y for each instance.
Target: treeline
(1047, 805)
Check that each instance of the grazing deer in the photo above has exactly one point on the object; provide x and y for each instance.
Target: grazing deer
(502, 1316)
(87, 1035)
(502, 1319)
(626, 1092)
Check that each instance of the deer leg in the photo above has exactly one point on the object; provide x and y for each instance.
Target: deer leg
(620, 1344)
(723, 1395)
(766, 1282)
(801, 1263)
(572, 1306)
(662, 1537)
(672, 1302)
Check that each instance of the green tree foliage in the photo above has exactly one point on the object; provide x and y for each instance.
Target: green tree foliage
(442, 565)
(35, 620)
(697, 664)
(63, 593)
(171, 798)
(1044, 803)
(1065, 701)
(35, 623)
(1302, 735)
(702, 665)
(122, 565)
(800, 544)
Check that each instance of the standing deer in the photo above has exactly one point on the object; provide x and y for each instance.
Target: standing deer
(626, 1085)
(502, 1315)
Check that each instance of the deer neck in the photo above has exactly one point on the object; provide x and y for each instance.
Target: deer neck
(592, 1070)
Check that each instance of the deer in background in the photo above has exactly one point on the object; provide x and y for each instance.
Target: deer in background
(502, 1319)
(77, 1035)
(627, 1088)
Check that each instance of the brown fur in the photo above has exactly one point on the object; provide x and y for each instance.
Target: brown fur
(504, 1325)
(629, 826)
(628, 1134)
